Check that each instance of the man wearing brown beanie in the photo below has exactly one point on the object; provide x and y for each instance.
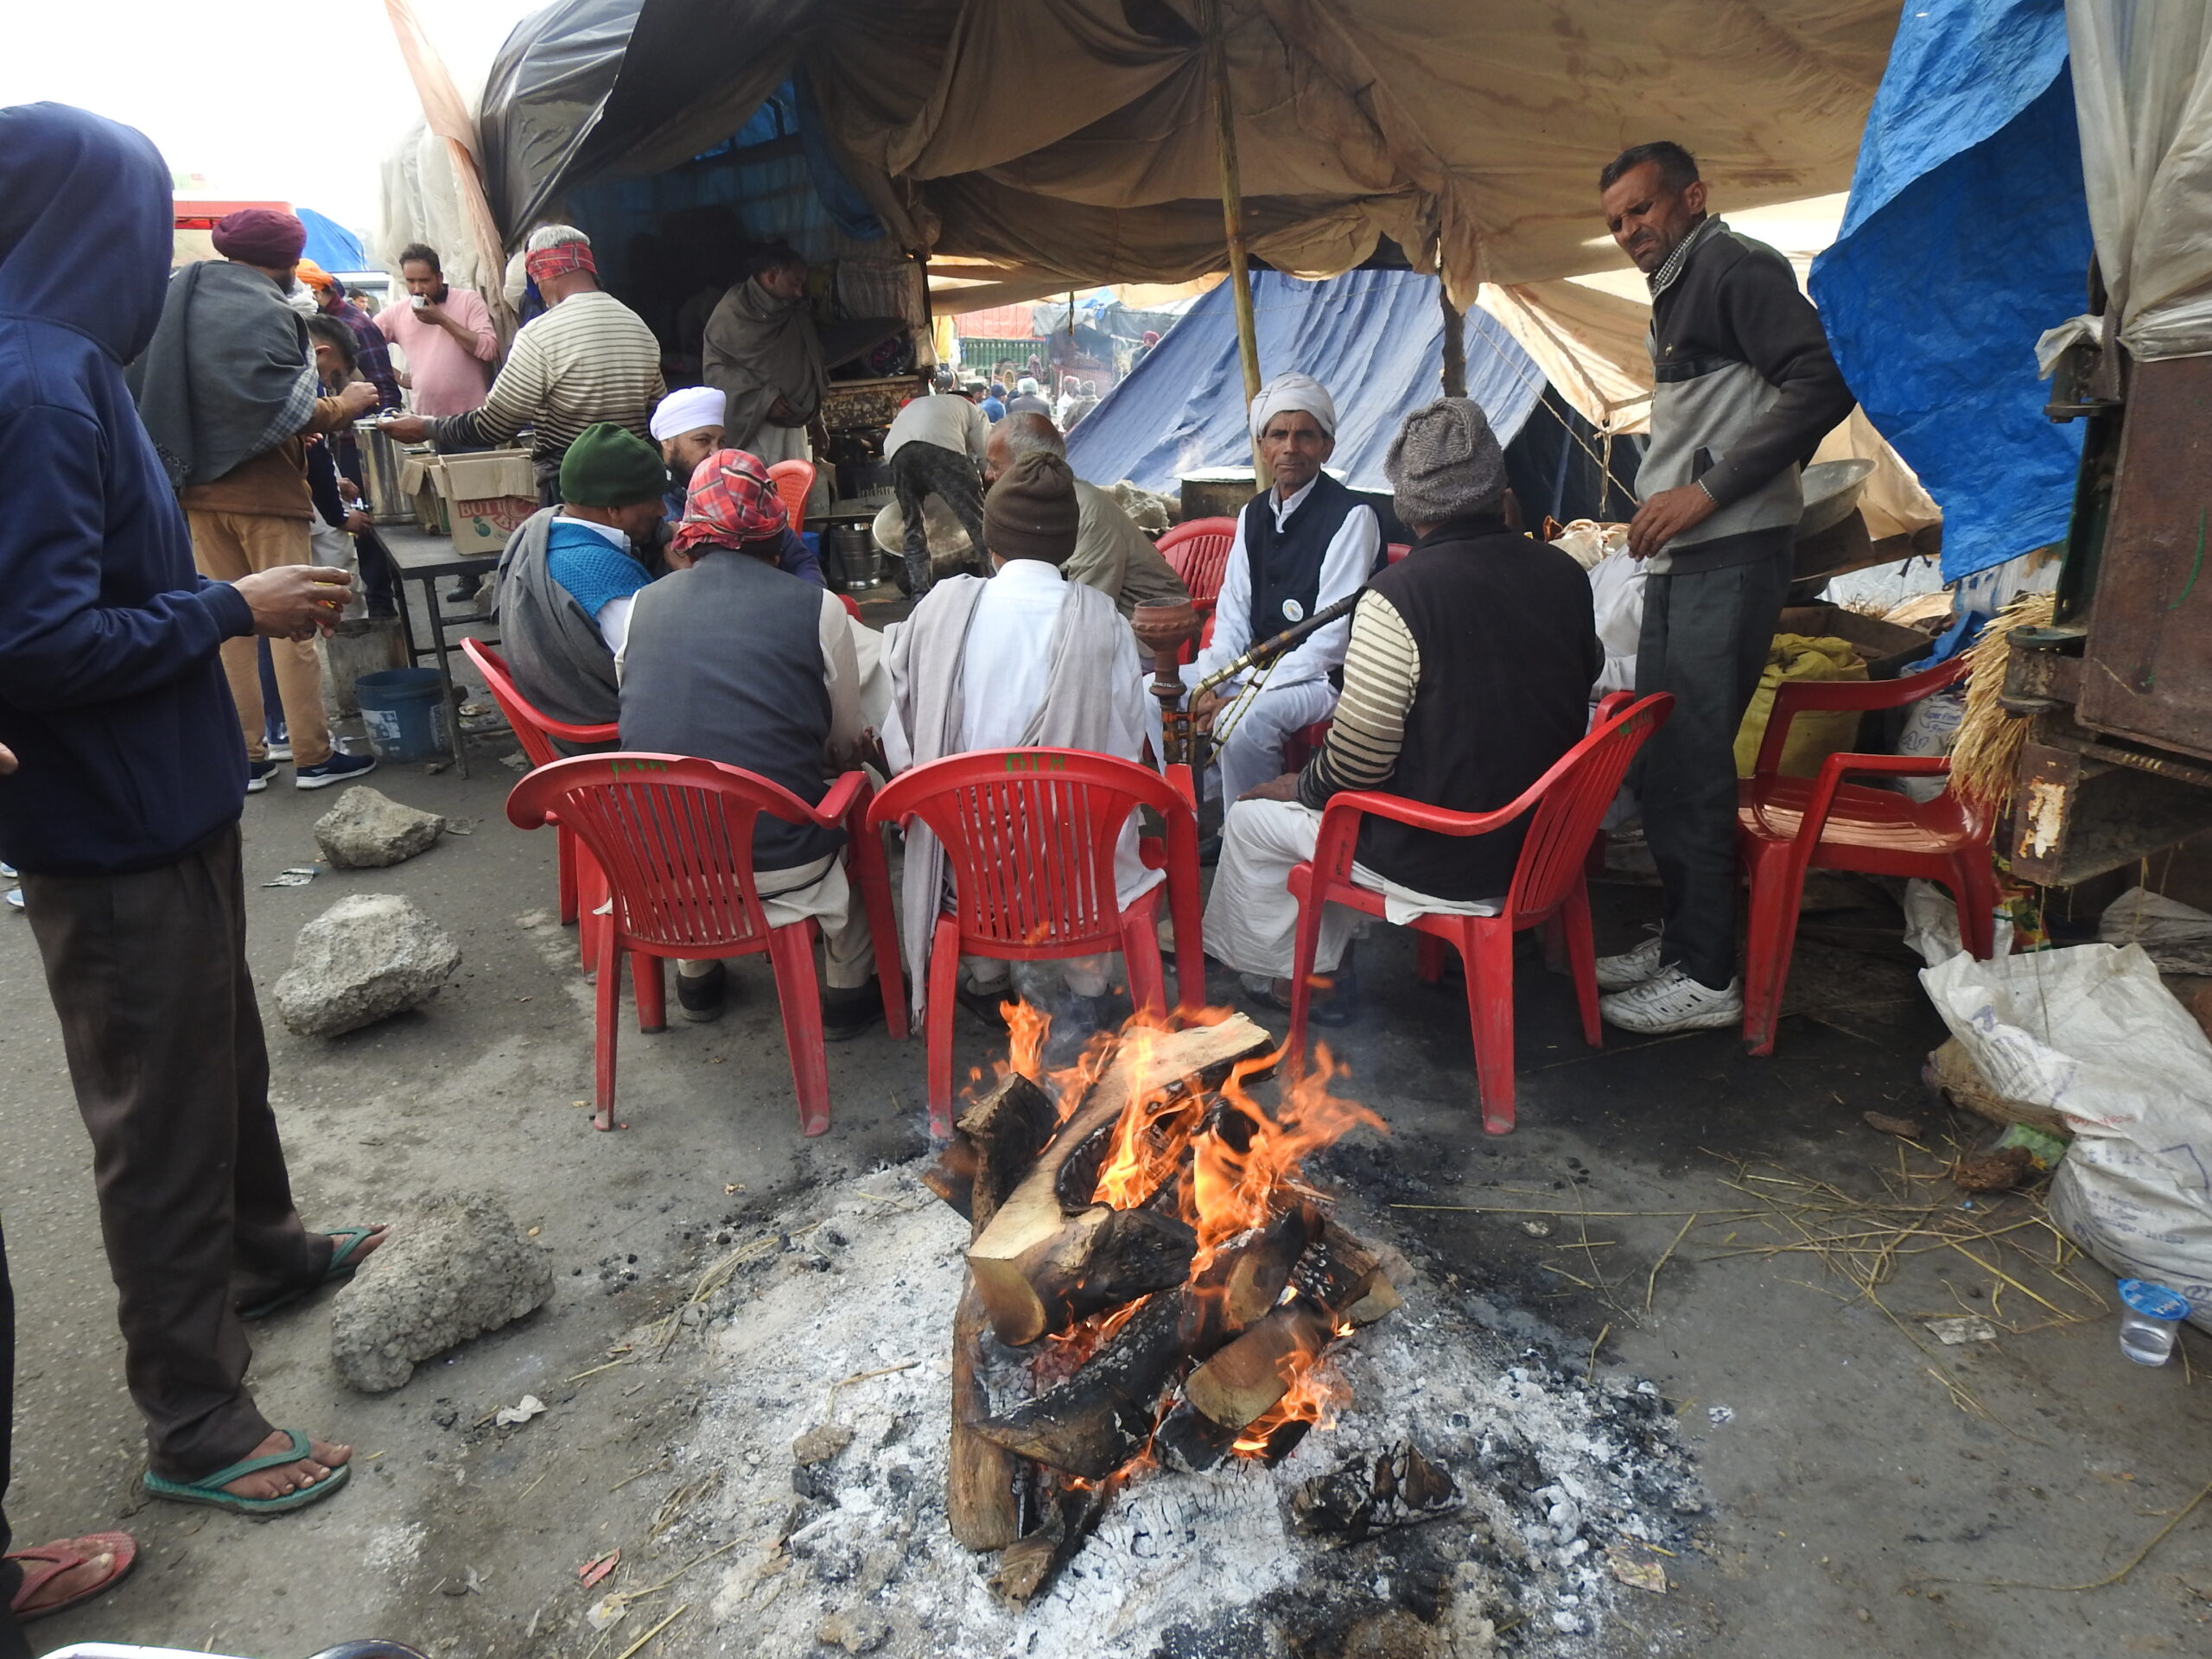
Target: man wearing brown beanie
(1025, 659)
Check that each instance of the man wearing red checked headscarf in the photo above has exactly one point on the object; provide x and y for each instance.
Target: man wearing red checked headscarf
(589, 359)
(733, 659)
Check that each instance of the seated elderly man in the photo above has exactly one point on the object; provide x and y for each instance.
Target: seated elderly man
(1111, 554)
(730, 658)
(569, 573)
(1025, 658)
(688, 426)
(1467, 676)
(1302, 544)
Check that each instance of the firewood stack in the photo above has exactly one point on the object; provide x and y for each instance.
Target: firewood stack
(1087, 1335)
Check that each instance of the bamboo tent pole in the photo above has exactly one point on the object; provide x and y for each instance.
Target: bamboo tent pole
(1232, 207)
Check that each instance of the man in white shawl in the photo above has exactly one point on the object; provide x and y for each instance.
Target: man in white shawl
(762, 354)
(1025, 659)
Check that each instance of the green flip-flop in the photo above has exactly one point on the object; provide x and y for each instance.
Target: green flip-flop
(208, 1489)
(343, 1265)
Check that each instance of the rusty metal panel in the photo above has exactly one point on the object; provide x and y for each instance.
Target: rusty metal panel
(2147, 668)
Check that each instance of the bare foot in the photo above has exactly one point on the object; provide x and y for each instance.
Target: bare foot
(289, 1478)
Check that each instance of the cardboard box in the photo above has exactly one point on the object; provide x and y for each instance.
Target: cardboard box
(476, 498)
(1885, 647)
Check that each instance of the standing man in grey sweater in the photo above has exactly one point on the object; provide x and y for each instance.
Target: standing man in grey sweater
(1743, 389)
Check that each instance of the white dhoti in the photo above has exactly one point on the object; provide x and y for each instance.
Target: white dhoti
(1250, 753)
(1251, 921)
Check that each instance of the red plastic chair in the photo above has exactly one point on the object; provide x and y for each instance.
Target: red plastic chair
(536, 733)
(1786, 826)
(1198, 551)
(794, 482)
(1563, 809)
(1028, 836)
(674, 835)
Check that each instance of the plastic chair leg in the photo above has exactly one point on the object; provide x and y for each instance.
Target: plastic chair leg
(945, 975)
(564, 855)
(791, 952)
(1428, 959)
(1974, 889)
(1141, 950)
(649, 983)
(1768, 944)
(1487, 948)
(1308, 946)
(606, 1024)
(1573, 922)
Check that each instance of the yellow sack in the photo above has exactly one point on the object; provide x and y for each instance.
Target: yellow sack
(1812, 737)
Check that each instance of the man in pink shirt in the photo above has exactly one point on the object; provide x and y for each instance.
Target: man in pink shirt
(446, 334)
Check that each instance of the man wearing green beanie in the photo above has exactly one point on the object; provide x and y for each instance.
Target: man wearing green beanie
(1025, 659)
(569, 573)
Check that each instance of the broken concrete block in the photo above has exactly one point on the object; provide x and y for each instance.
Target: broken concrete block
(366, 958)
(457, 1268)
(367, 830)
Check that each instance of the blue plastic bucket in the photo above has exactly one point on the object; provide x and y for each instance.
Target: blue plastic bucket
(405, 713)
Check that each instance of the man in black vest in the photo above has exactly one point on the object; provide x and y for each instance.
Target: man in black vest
(1467, 676)
(1743, 389)
(730, 658)
(1303, 543)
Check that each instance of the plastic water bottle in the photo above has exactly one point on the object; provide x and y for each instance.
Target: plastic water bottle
(2150, 1320)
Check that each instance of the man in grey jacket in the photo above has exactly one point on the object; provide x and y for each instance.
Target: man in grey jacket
(1744, 388)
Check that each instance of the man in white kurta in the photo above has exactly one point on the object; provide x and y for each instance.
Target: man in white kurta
(1304, 543)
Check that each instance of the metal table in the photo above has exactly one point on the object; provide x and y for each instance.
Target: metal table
(425, 559)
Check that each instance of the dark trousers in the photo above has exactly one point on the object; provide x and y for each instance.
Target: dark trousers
(149, 975)
(922, 469)
(1706, 635)
(12, 1644)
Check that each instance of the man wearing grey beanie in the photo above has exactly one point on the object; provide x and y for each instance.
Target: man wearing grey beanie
(1467, 675)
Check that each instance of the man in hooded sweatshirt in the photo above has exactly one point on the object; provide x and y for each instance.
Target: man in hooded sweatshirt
(123, 815)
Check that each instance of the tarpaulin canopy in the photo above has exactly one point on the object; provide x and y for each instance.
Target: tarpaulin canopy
(1374, 338)
(1966, 237)
(1075, 138)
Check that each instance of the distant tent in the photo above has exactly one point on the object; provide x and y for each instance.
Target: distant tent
(1374, 338)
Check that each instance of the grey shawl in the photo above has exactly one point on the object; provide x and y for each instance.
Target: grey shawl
(759, 348)
(559, 660)
(926, 656)
(228, 374)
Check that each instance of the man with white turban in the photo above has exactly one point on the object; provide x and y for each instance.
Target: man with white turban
(1303, 543)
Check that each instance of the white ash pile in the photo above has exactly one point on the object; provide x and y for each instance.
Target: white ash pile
(828, 1428)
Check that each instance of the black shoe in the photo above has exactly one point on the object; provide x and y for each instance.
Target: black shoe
(699, 997)
(847, 1014)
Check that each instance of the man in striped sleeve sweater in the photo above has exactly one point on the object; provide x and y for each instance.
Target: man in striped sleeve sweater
(1467, 675)
(589, 359)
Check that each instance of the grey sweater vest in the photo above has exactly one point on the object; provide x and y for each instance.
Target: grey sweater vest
(724, 661)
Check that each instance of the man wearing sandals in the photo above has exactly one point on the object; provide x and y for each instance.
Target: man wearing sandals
(123, 815)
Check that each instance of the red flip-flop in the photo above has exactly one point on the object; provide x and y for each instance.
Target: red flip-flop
(46, 1561)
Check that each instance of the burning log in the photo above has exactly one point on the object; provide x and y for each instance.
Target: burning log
(1251, 1373)
(1045, 1258)
(1100, 1417)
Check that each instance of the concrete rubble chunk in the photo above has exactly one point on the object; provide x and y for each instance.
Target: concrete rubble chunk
(366, 958)
(367, 830)
(456, 1268)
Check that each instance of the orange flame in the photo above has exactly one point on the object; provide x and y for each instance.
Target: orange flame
(1317, 1395)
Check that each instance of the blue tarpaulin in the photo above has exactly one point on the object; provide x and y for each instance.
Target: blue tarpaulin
(1374, 338)
(1967, 235)
(331, 245)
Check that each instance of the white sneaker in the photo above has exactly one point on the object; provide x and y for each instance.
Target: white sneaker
(1671, 1001)
(1630, 967)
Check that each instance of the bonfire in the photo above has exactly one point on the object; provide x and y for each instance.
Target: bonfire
(1150, 1279)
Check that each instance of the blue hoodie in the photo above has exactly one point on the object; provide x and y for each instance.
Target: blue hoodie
(111, 688)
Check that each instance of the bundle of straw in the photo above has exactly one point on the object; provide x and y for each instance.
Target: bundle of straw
(1987, 751)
